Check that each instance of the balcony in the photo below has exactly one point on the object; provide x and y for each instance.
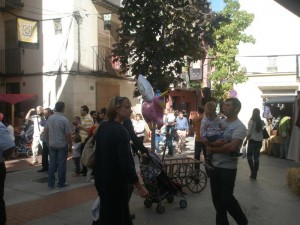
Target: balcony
(10, 4)
(10, 61)
(103, 61)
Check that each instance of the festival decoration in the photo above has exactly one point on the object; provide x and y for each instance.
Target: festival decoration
(153, 105)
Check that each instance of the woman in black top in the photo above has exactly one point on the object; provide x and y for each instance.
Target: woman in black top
(114, 165)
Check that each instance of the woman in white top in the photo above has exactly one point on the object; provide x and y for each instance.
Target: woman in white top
(254, 139)
(139, 127)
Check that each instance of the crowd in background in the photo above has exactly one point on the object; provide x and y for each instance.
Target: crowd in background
(219, 137)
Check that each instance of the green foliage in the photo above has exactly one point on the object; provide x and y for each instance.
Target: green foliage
(157, 35)
(227, 33)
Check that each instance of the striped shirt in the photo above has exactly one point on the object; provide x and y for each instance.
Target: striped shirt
(87, 122)
(58, 127)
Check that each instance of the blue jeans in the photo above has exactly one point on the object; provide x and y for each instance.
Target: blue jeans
(253, 151)
(58, 158)
(157, 140)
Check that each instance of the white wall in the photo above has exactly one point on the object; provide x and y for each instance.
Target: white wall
(277, 32)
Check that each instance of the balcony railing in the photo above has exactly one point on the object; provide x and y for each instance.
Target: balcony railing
(11, 4)
(10, 61)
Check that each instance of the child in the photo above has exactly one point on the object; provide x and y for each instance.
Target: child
(76, 154)
(212, 129)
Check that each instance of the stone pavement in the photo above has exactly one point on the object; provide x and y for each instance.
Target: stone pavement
(268, 201)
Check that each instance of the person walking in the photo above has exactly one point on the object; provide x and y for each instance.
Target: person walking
(199, 146)
(86, 123)
(6, 147)
(285, 134)
(222, 178)
(254, 139)
(182, 129)
(37, 120)
(45, 151)
(139, 127)
(58, 134)
(169, 122)
(114, 165)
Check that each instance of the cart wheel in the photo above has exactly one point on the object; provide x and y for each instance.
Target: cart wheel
(196, 181)
(147, 203)
(170, 198)
(29, 153)
(160, 209)
(183, 203)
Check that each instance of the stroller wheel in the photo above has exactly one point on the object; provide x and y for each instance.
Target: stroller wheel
(183, 203)
(196, 181)
(147, 203)
(16, 153)
(160, 209)
(170, 198)
(29, 153)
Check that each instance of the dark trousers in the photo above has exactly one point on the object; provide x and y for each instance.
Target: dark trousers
(84, 168)
(114, 208)
(141, 139)
(253, 153)
(199, 146)
(2, 203)
(45, 154)
(222, 186)
(77, 164)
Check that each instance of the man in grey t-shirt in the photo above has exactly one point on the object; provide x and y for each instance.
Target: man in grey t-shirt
(222, 178)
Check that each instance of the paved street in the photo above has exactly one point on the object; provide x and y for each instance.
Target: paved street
(267, 201)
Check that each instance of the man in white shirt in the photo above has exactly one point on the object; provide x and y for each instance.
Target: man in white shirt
(38, 129)
(169, 119)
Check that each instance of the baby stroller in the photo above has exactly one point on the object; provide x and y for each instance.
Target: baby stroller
(159, 185)
(23, 142)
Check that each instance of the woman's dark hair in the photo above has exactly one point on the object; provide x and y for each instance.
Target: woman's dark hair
(257, 120)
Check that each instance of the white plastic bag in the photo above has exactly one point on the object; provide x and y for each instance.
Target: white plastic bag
(96, 209)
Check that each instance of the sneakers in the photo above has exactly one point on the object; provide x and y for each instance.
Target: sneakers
(63, 185)
(75, 175)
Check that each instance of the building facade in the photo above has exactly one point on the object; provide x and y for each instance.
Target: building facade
(272, 63)
(68, 60)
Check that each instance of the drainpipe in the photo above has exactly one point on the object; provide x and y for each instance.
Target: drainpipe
(78, 19)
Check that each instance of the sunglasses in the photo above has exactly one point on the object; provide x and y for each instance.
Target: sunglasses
(119, 100)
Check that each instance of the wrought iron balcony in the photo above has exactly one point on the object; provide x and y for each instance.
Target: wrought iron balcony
(11, 4)
(10, 61)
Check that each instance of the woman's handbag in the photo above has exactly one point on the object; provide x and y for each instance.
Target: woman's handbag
(265, 134)
(88, 153)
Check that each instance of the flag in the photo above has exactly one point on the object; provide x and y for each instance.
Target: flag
(27, 33)
(107, 21)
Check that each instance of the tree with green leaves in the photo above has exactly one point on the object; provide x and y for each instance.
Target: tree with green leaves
(227, 32)
(157, 36)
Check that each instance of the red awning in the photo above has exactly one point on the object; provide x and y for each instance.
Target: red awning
(16, 98)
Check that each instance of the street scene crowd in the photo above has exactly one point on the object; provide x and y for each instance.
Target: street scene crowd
(118, 137)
